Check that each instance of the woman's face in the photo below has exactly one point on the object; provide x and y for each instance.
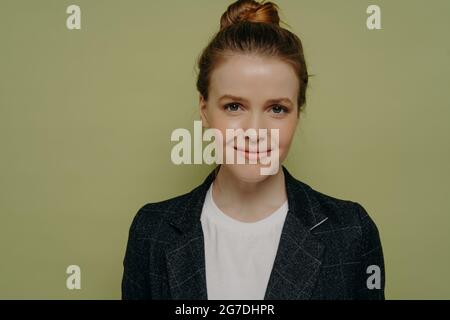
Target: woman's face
(252, 92)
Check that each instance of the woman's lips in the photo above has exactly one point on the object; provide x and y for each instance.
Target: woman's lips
(253, 154)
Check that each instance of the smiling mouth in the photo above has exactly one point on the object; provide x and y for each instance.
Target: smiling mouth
(251, 152)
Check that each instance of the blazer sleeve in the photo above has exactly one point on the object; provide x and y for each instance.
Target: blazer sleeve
(371, 279)
(135, 280)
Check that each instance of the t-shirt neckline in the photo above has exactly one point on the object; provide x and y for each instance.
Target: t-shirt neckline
(233, 224)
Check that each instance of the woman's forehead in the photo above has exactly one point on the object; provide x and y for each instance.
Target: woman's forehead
(245, 76)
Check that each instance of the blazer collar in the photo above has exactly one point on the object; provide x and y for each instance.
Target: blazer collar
(297, 261)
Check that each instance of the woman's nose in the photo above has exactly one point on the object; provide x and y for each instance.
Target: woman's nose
(258, 126)
(254, 121)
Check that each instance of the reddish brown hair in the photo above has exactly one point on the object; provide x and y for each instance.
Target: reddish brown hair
(248, 26)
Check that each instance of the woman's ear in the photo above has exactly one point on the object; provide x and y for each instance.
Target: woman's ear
(203, 112)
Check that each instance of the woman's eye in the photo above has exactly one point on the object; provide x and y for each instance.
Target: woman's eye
(279, 109)
(232, 107)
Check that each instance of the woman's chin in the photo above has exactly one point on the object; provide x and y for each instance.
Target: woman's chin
(248, 172)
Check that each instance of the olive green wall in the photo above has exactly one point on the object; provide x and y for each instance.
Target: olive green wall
(86, 117)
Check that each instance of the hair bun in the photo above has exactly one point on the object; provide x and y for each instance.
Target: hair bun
(250, 10)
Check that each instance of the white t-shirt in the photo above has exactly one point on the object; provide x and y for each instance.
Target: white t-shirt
(239, 255)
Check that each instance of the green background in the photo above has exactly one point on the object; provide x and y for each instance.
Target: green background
(86, 117)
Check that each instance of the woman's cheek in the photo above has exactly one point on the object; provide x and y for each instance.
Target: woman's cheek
(285, 138)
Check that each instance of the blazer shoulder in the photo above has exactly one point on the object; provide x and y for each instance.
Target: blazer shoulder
(342, 212)
(150, 215)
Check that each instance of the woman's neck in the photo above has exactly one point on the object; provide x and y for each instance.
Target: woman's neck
(248, 201)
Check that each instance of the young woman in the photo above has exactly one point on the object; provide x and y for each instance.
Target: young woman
(241, 234)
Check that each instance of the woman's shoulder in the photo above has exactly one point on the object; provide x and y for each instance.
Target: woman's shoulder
(150, 215)
(172, 210)
(318, 205)
(343, 213)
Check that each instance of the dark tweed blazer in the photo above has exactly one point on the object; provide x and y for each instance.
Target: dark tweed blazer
(325, 249)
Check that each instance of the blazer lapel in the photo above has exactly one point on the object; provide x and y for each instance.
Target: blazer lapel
(297, 261)
(186, 267)
(185, 258)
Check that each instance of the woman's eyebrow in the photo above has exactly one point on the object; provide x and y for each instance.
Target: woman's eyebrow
(231, 97)
(236, 98)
